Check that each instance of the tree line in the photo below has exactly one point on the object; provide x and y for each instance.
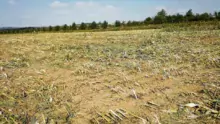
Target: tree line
(160, 18)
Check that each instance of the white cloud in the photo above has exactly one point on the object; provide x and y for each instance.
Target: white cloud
(12, 2)
(93, 6)
(83, 12)
(68, 11)
(86, 4)
(58, 4)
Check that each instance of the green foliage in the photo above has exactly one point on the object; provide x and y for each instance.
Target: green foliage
(123, 23)
(192, 26)
(189, 15)
(205, 16)
(93, 25)
(135, 23)
(148, 20)
(57, 28)
(44, 29)
(160, 17)
(129, 23)
(50, 28)
(117, 23)
(65, 27)
(178, 18)
(104, 25)
(83, 26)
(73, 26)
(217, 15)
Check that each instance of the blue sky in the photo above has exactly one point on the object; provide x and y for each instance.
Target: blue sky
(54, 12)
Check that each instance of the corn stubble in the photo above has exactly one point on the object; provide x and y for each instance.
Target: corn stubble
(140, 76)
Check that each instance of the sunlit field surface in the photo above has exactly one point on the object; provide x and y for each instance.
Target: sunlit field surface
(138, 76)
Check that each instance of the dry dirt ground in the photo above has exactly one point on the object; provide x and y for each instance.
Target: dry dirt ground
(142, 76)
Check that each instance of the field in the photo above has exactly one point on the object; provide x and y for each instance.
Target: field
(138, 76)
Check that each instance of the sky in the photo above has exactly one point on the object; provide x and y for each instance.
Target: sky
(20, 13)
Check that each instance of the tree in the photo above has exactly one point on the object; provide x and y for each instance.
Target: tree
(148, 20)
(104, 25)
(50, 28)
(135, 23)
(197, 17)
(57, 28)
(117, 23)
(93, 25)
(123, 23)
(204, 17)
(73, 26)
(160, 17)
(65, 27)
(82, 26)
(170, 19)
(217, 15)
(175, 18)
(99, 24)
(44, 29)
(129, 23)
(189, 15)
(179, 18)
(211, 17)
